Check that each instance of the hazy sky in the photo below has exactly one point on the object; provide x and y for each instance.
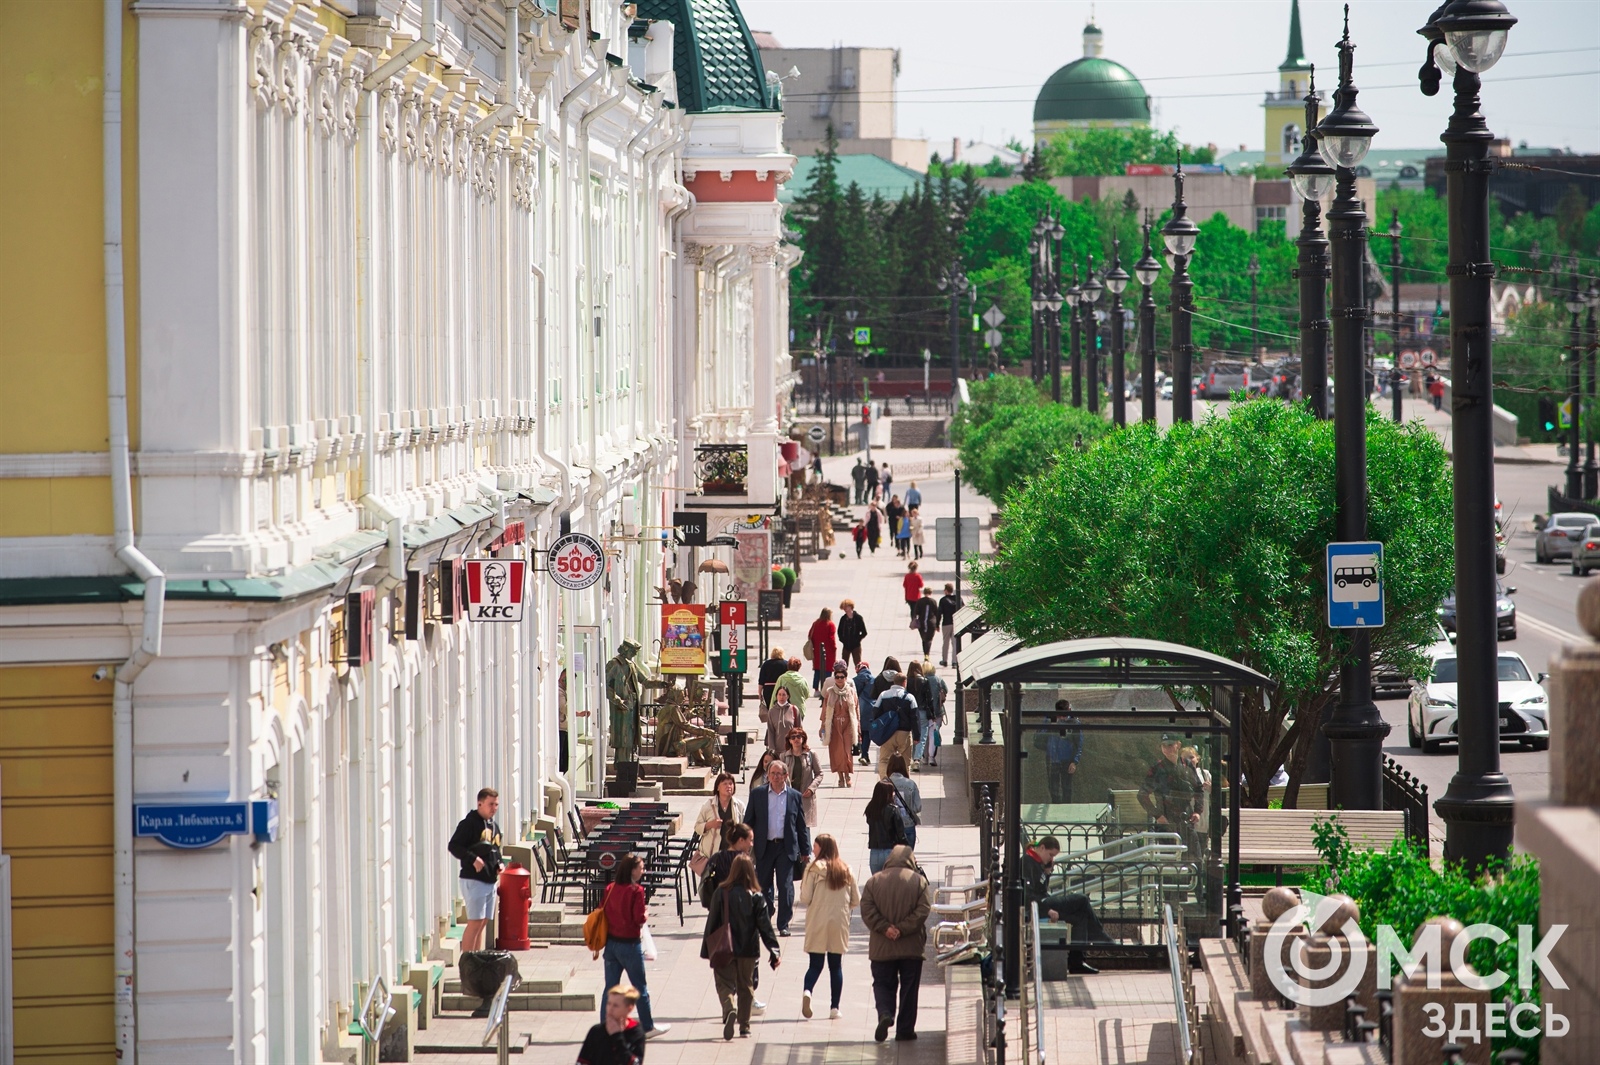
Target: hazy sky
(973, 69)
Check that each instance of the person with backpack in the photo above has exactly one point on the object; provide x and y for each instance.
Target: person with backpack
(863, 681)
(935, 705)
(910, 797)
(828, 892)
(476, 845)
(894, 724)
(885, 828)
(739, 906)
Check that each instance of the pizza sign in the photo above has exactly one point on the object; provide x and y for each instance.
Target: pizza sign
(577, 561)
(495, 588)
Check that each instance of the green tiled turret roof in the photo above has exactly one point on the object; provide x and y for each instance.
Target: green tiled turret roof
(714, 57)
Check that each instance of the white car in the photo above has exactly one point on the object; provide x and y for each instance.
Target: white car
(1524, 705)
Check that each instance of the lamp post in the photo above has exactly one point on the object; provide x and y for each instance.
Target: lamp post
(1313, 180)
(1088, 295)
(1054, 298)
(1116, 282)
(1072, 297)
(1180, 233)
(1395, 229)
(1036, 284)
(832, 355)
(1147, 269)
(1254, 270)
(954, 282)
(1575, 379)
(1356, 729)
(1591, 472)
(1466, 37)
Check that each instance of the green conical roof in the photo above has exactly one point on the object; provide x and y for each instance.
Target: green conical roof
(1296, 59)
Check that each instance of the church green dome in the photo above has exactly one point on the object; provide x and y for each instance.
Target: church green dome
(1092, 91)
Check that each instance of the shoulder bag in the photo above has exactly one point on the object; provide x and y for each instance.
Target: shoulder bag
(719, 941)
(596, 927)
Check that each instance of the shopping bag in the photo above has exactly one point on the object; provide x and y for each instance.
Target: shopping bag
(647, 943)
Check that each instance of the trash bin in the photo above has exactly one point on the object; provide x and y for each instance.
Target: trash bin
(627, 780)
(733, 752)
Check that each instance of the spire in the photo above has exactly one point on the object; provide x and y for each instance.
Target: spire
(1296, 59)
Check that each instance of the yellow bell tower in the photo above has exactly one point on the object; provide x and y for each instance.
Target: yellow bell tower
(1285, 109)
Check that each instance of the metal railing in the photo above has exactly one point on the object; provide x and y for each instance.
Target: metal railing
(375, 1013)
(1402, 791)
(498, 1029)
(1038, 988)
(1177, 962)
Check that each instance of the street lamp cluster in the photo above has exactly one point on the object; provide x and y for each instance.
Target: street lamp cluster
(1048, 297)
(1180, 234)
(1045, 251)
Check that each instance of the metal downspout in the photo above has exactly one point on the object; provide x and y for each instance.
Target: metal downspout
(415, 50)
(511, 84)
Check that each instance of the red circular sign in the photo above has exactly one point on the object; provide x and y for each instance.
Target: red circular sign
(577, 561)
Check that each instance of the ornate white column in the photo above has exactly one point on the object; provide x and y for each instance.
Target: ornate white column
(763, 477)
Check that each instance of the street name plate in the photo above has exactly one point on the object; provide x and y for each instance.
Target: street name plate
(944, 538)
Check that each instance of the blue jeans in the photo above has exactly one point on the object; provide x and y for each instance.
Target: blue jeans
(623, 956)
(835, 975)
(876, 856)
(923, 748)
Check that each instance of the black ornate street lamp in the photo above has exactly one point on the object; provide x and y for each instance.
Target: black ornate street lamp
(956, 284)
(1591, 472)
(1253, 269)
(1052, 311)
(1147, 269)
(1116, 282)
(1088, 296)
(1395, 229)
(1356, 729)
(1575, 378)
(1180, 233)
(1478, 806)
(1313, 180)
(1072, 297)
(1037, 282)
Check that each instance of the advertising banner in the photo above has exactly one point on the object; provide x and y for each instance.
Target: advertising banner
(683, 638)
(494, 588)
(752, 563)
(731, 617)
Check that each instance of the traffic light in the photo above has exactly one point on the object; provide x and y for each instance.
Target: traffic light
(1547, 413)
(866, 413)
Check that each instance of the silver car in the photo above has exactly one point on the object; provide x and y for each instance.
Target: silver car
(1586, 550)
(1560, 531)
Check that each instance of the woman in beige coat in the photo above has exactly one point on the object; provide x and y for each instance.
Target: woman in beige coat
(829, 895)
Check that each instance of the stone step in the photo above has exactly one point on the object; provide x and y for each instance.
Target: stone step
(648, 790)
(574, 1002)
(568, 930)
(533, 986)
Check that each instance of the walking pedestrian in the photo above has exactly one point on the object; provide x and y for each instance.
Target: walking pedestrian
(895, 510)
(863, 681)
(913, 496)
(776, 816)
(776, 665)
(782, 716)
(918, 539)
(875, 522)
(758, 776)
(948, 605)
(805, 772)
(852, 630)
(925, 619)
(739, 902)
(886, 478)
(476, 845)
(816, 468)
(739, 841)
(879, 684)
(902, 535)
(617, 1039)
(841, 720)
(937, 690)
(719, 814)
(626, 917)
(886, 830)
(894, 907)
(917, 687)
(858, 533)
(872, 483)
(910, 797)
(829, 893)
(858, 478)
(797, 686)
(823, 638)
(912, 583)
(907, 729)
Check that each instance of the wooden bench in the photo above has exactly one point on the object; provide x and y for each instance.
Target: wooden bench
(1283, 837)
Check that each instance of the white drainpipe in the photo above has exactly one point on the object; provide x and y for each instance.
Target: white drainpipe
(155, 582)
(541, 361)
(591, 266)
(512, 82)
(398, 62)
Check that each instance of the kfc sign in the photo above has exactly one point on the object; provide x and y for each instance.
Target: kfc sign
(577, 561)
(494, 588)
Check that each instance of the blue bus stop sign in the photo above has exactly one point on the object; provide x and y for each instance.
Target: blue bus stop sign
(1355, 585)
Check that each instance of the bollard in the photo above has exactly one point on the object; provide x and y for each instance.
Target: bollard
(1412, 999)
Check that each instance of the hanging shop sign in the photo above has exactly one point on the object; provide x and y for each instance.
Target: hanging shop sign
(731, 617)
(752, 563)
(683, 638)
(191, 826)
(495, 588)
(577, 561)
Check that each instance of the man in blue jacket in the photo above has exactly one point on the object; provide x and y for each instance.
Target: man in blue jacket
(1062, 751)
(777, 820)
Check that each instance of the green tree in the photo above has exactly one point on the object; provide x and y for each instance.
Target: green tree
(1004, 455)
(1213, 535)
(1110, 151)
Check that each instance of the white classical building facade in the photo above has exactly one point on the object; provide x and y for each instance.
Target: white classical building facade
(405, 282)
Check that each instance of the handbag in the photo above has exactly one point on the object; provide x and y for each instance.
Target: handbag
(719, 941)
(596, 926)
(800, 867)
(809, 650)
(647, 944)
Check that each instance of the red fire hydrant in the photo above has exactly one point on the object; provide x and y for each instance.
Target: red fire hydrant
(515, 889)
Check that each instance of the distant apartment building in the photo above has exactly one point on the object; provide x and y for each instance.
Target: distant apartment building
(852, 89)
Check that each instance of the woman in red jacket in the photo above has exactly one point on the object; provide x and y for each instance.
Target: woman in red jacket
(912, 583)
(824, 648)
(625, 921)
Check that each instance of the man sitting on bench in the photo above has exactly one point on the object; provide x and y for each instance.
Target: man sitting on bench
(1073, 909)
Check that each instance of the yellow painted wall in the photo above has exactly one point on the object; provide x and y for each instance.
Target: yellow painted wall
(55, 823)
(55, 506)
(52, 294)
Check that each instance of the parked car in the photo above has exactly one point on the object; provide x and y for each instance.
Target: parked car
(1524, 705)
(1554, 539)
(1223, 379)
(1166, 389)
(1505, 612)
(1586, 550)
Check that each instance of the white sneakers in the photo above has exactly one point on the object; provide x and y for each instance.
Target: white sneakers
(805, 1005)
(834, 1014)
(757, 1006)
(660, 1029)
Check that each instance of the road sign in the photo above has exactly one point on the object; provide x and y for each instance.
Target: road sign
(769, 604)
(815, 434)
(494, 588)
(577, 561)
(1428, 357)
(1355, 585)
(944, 538)
(731, 615)
(692, 526)
(1408, 359)
(992, 338)
(1566, 413)
(862, 335)
(993, 316)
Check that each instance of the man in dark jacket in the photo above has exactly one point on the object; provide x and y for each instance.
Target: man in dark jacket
(776, 665)
(777, 820)
(895, 907)
(852, 630)
(1062, 750)
(948, 605)
(1075, 910)
(476, 845)
(859, 477)
(872, 482)
(863, 682)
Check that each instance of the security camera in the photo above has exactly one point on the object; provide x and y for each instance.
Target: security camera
(103, 673)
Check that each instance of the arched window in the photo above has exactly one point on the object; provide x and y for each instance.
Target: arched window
(1291, 139)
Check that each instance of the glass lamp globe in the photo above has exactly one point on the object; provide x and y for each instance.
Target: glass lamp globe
(1038, 304)
(1347, 150)
(1444, 59)
(1475, 31)
(1091, 290)
(1180, 235)
(1576, 304)
(1117, 281)
(1147, 270)
(1477, 50)
(1053, 301)
(1072, 295)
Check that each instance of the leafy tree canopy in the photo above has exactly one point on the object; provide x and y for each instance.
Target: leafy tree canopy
(1213, 536)
(1109, 151)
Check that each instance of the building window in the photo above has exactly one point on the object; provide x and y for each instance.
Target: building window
(1271, 213)
(847, 131)
(1291, 140)
(1408, 171)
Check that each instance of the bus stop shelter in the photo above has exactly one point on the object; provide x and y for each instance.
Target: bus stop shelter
(1150, 729)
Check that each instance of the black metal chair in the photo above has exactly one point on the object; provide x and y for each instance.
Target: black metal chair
(555, 877)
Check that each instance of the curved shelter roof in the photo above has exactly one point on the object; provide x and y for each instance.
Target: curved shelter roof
(1114, 660)
(1092, 89)
(714, 57)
